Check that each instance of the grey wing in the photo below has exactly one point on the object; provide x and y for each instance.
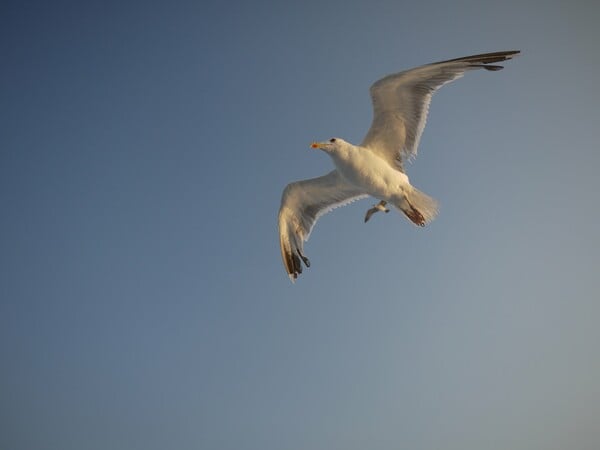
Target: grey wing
(302, 203)
(401, 103)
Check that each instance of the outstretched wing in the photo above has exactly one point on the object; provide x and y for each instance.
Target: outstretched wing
(401, 102)
(302, 203)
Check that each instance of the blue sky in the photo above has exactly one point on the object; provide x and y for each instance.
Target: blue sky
(144, 305)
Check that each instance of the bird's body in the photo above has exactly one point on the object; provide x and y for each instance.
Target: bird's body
(368, 172)
(375, 167)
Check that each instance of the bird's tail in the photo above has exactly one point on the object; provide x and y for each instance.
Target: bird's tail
(419, 207)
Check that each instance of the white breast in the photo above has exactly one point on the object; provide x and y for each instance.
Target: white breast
(367, 171)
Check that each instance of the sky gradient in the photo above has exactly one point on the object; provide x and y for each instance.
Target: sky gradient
(143, 302)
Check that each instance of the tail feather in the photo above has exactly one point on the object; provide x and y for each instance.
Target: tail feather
(419, 207)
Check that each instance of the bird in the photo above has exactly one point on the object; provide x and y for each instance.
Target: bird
(378, 207)
(375, 168)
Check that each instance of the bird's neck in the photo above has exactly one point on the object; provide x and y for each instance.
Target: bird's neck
(344, 155)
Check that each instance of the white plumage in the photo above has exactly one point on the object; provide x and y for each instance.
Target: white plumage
(375, 168)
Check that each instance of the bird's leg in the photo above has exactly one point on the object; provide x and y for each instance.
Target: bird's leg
(414, 215)
(378, 207)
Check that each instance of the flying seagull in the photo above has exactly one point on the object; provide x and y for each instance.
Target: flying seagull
(375, 167)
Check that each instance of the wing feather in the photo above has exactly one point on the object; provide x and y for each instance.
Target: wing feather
(302, 203)
(401, 103)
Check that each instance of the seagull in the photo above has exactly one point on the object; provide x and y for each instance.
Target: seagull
(375, 167)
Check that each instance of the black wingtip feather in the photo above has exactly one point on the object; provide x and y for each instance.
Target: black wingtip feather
(491, 68)
(297, 264)
(487, 58)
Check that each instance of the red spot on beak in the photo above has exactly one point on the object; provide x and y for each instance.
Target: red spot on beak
(314, 145)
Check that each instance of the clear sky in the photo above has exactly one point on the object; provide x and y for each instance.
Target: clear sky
(144, 147)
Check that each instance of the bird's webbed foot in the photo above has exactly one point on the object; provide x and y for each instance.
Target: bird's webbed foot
(415, 216)
(378, 207)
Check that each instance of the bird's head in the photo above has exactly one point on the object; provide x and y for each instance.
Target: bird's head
(330, 146)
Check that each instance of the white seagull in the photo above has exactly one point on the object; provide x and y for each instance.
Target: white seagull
(375, 167)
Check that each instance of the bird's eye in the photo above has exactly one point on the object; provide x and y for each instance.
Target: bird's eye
(332, 140)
